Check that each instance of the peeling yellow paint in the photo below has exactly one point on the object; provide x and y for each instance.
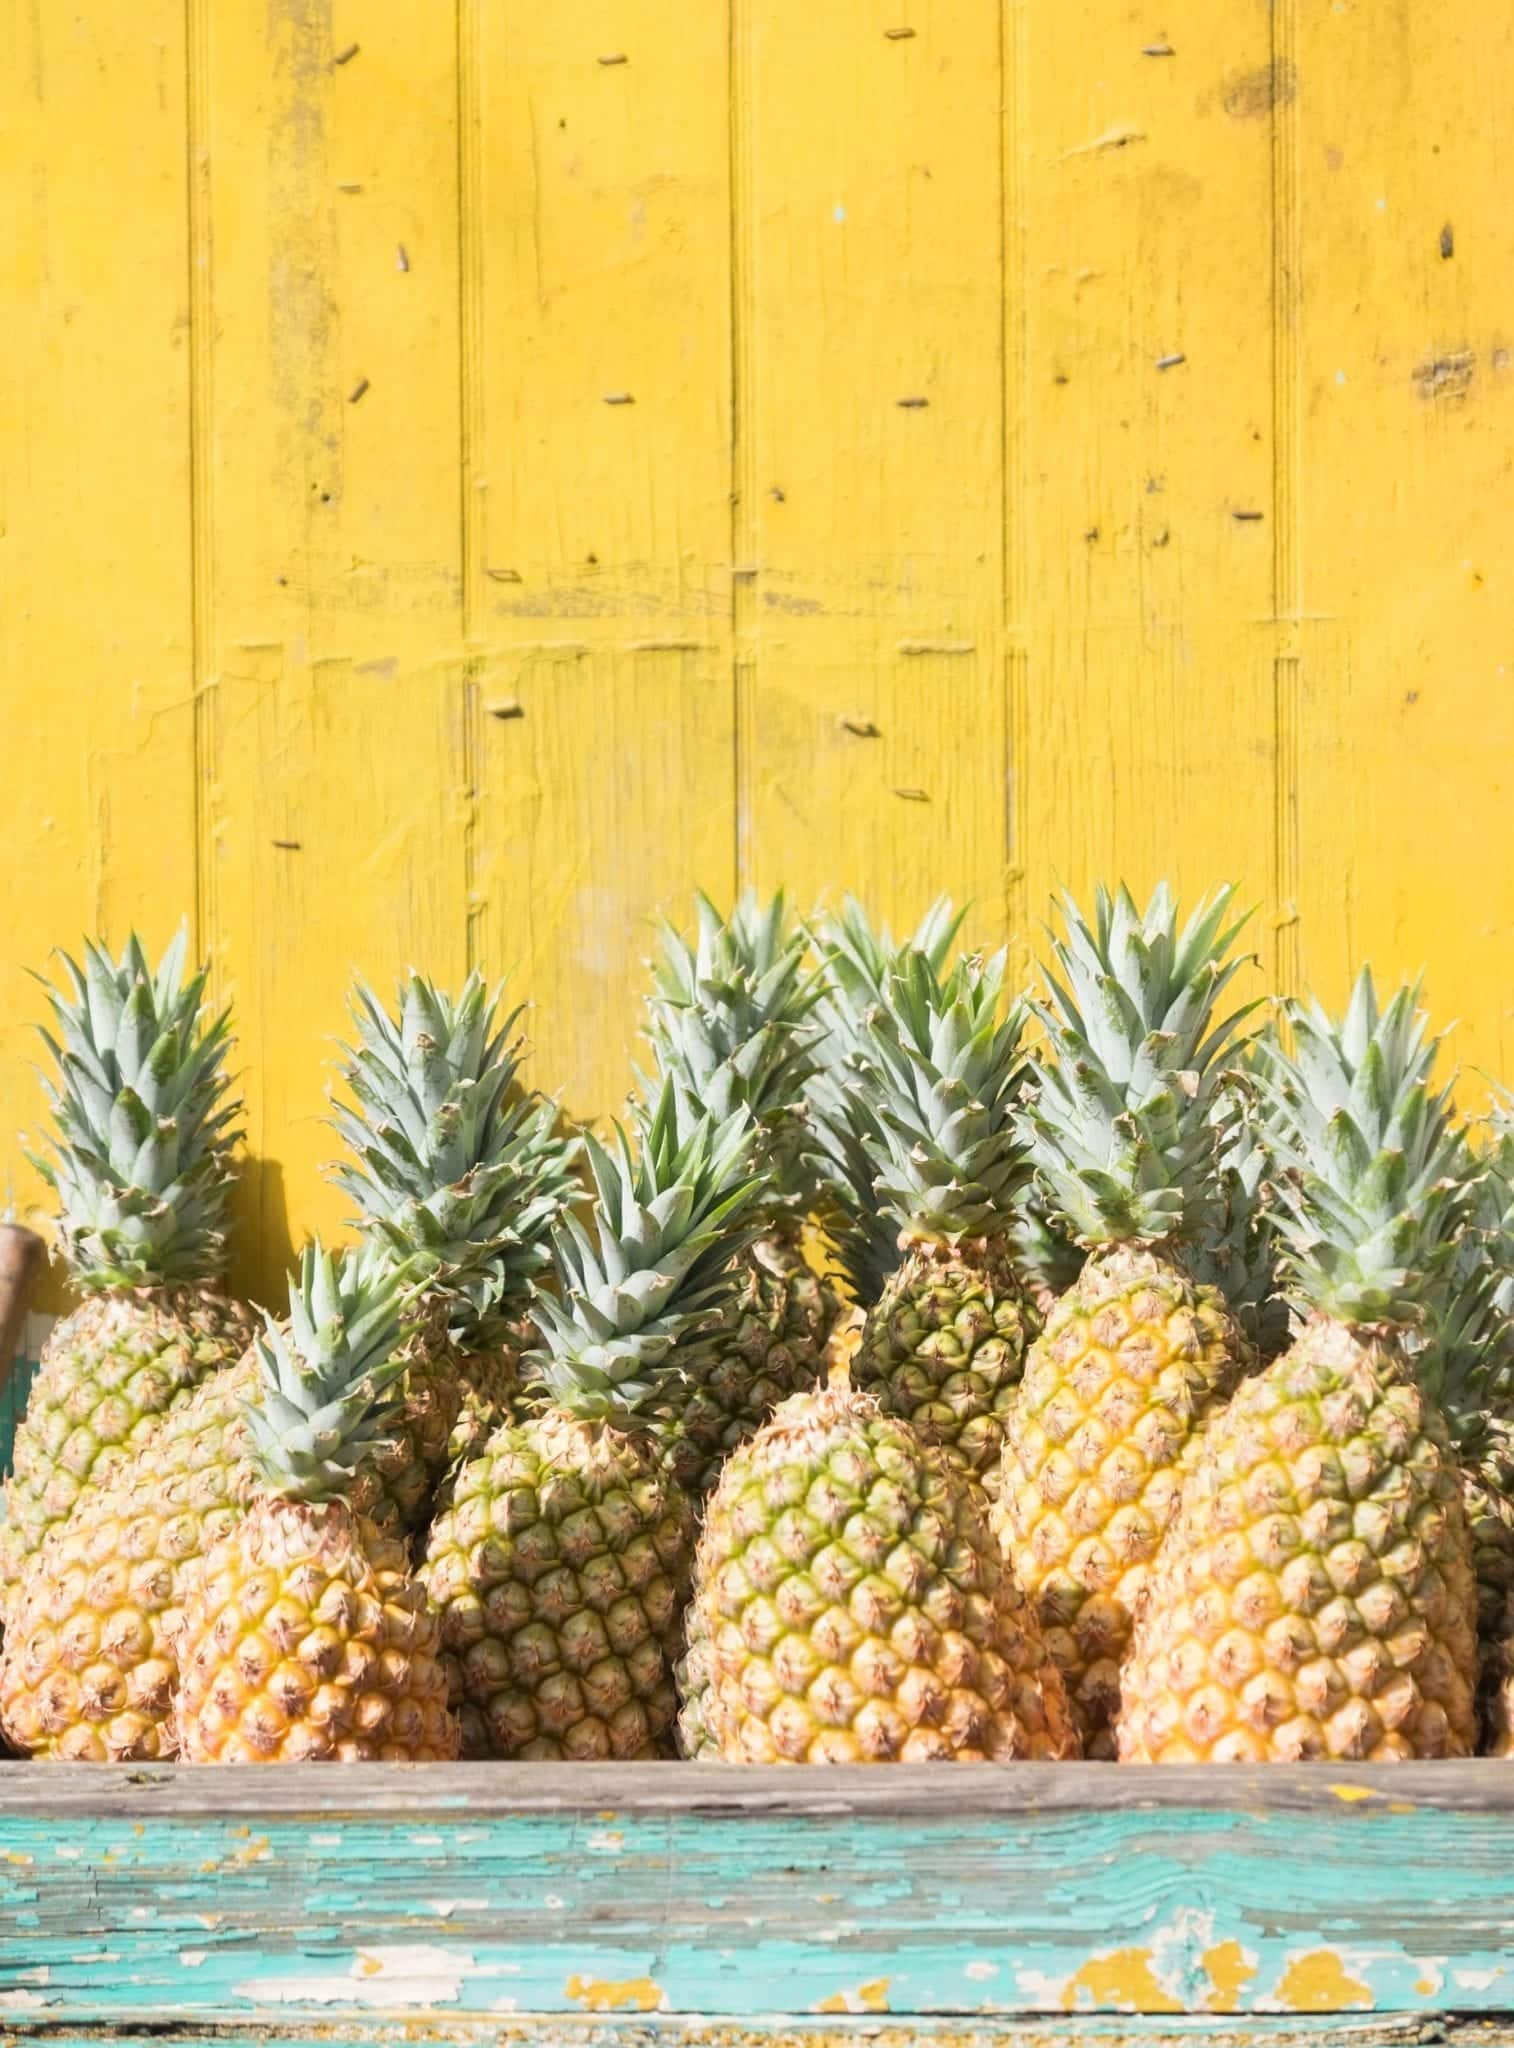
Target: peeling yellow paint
(1319, 1982)
(1229, 1970)
(870, 1997)
(1425, 1986)
(1122, 1981)
(1353, 1792)
(631, 1994)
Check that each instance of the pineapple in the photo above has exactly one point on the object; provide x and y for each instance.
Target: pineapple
(560, 1558)
(731, 1026)
(141, 1166)
(304, 1637)
(938, 1061)
(1315, 1597)
(1135, 1355)
(458, 1168)
(851, 1606)
(89, 1671)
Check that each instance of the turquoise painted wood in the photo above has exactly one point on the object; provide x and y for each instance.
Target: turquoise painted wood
(979, 1899)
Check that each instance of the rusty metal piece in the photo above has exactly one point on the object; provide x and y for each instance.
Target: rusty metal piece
(20, 1255)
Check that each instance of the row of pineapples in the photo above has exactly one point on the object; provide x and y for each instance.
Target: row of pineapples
(1170, 1418)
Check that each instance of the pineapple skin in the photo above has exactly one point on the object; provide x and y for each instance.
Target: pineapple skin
(89, 1669)
(851, 1606)
(1498, 1684)
(770, 1344)
(306, 1638)
(559, 1565)
(1133, 1361)
(109, 1371)
(1315, 1598)
(944, 1348)
(431, 1397)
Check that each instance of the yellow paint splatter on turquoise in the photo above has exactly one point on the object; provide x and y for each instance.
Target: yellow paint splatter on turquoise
(870, 1997)
(629, 1994)
(1319, 1982)
(1229, 1970)
(1122, 1981)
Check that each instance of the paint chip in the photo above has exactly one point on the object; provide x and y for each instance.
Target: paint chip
(1119, 137)
(630, 1994)
(1319, 1982)
(390, 1978)
(869, 1997)
(1121, 1981)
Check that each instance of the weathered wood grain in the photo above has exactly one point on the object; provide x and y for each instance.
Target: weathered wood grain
(979, 1791)
(534, 2031)
(968, 1894)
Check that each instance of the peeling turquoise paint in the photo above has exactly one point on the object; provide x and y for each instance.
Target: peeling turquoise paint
(739, 1919)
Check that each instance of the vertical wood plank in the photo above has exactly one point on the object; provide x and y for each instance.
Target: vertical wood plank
(336, 799)
(96, 689)
(1407, 398)
(871, 419)
(603, 635)
(1147, 510)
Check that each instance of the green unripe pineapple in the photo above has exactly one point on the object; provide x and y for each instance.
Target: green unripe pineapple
(938, 1064)
(851, 1606)
(560, 1558)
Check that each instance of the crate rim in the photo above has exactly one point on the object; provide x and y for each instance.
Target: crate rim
(408, 1792)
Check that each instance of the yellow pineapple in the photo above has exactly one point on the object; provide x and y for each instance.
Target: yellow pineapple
(1315, 1597)
(141, 1165)
(1137, 1353)
(304, 1637)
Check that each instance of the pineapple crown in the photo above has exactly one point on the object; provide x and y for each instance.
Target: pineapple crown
(940, 1055)
(455, 1166)
(1121, 1117)
(324, 1378)
(1497, 1205)
(145, 1121)
(1366, 1190)
(731, 1023)
(859, 958)
(655, 1262)
(1464, 1350)
(1238, 1249)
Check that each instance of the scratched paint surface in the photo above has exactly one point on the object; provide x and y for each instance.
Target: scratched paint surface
(469, 473)
(1209, 1913)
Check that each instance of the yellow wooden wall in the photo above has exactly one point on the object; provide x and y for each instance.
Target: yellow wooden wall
(470, 471)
